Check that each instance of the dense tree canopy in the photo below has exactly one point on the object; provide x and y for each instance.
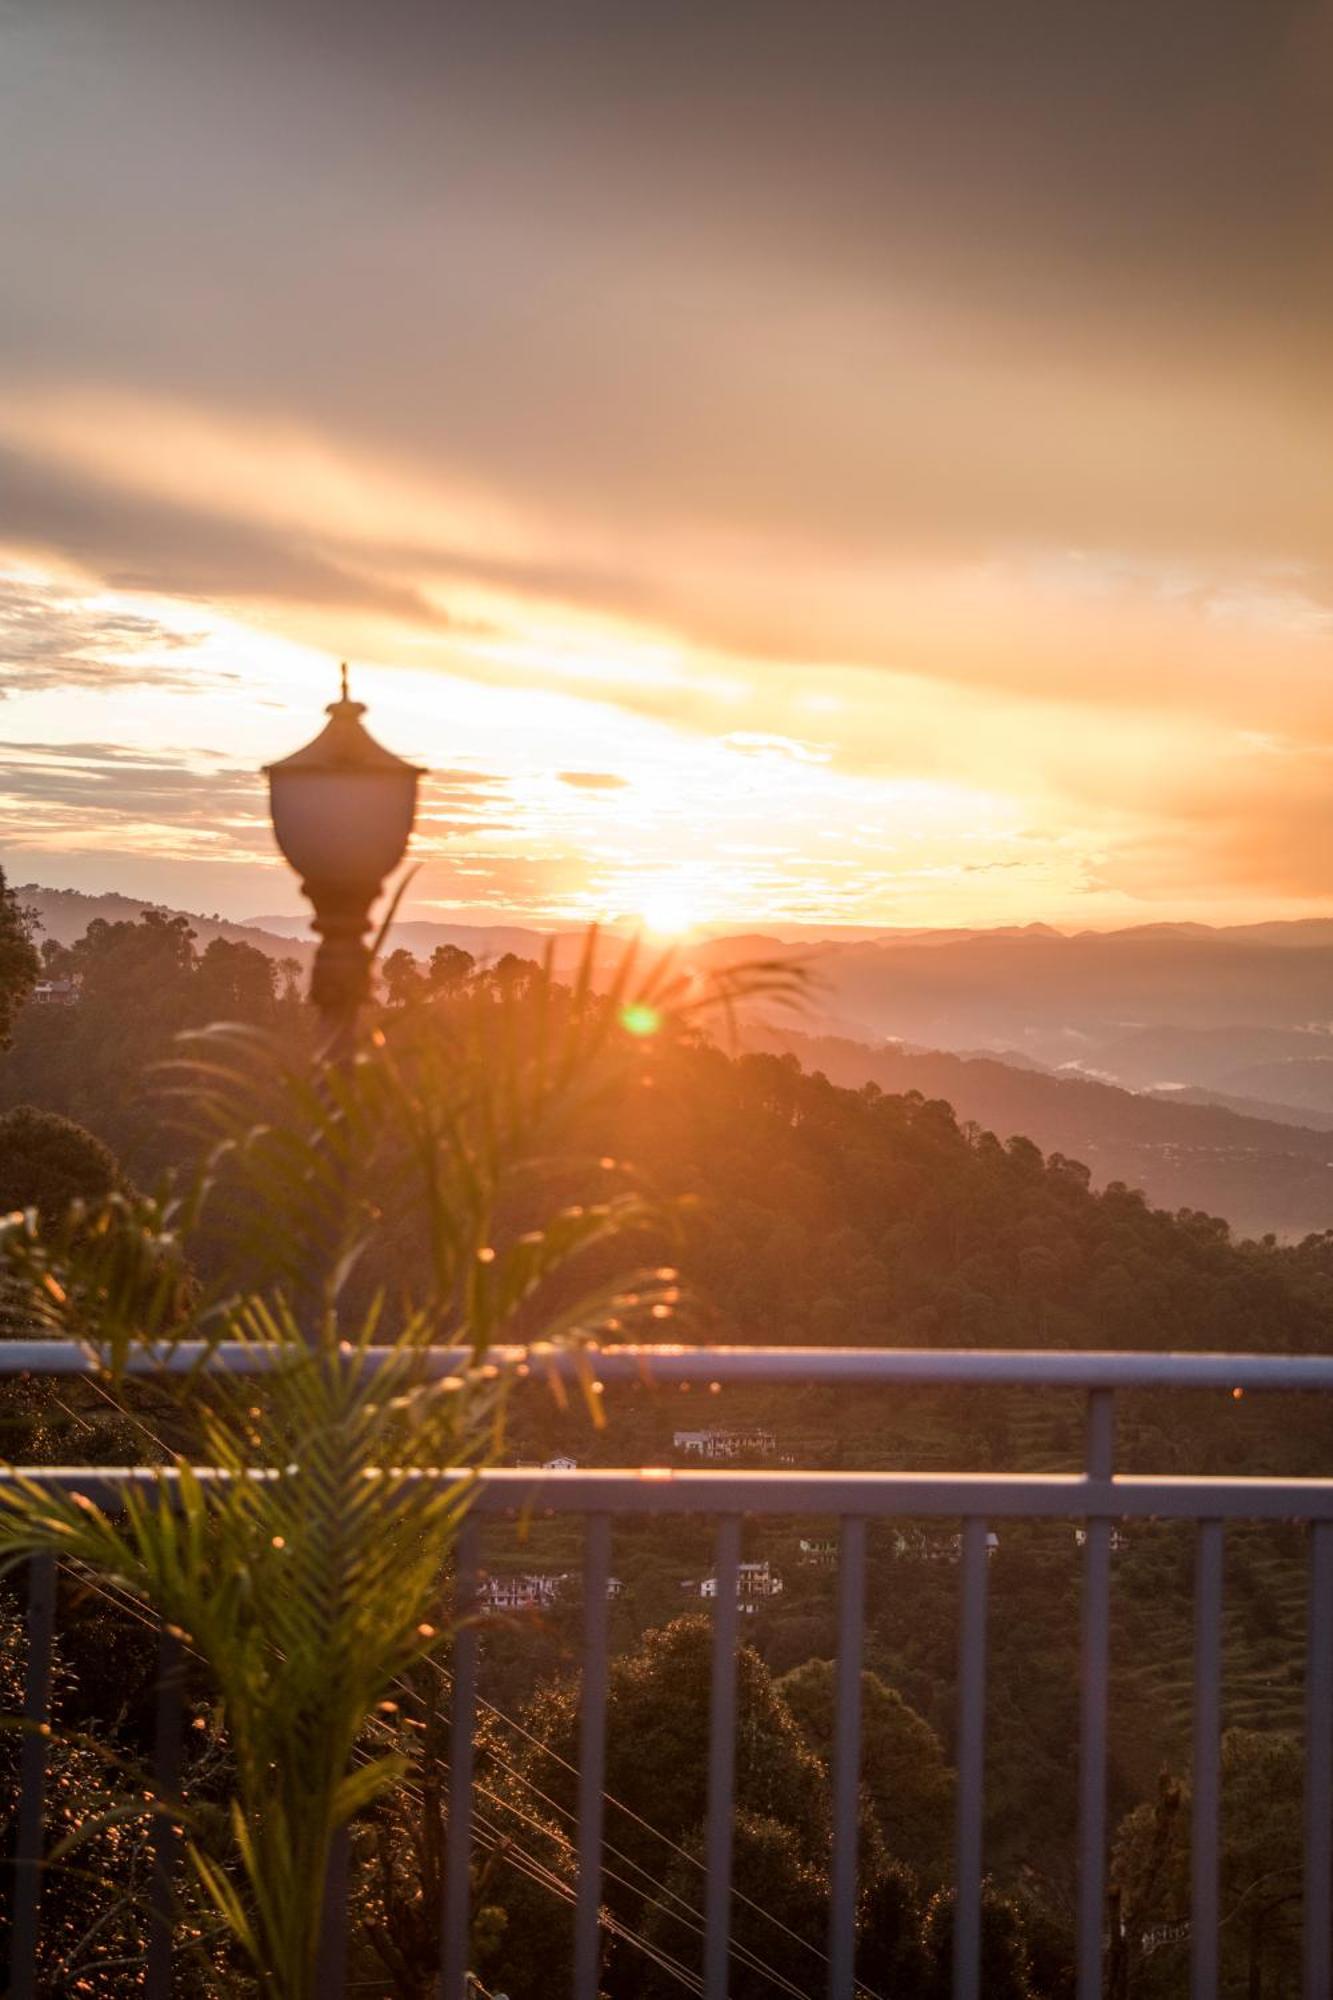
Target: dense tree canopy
(138, 986)
(47, 1161)
(903, 1767)
(20, 964)
(657, 1741)
(656, 1779)
(836, 1215)
(1261, 1869)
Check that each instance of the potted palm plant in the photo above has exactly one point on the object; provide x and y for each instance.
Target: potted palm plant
(346, 1225)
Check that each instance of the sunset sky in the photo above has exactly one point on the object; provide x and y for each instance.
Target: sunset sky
(776, 463)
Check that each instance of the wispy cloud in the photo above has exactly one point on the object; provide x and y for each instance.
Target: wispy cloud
(55, 638)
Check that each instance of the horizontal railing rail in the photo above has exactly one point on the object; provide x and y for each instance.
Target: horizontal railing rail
(1040, 1496)
(670, 1366)
(1096, 1496)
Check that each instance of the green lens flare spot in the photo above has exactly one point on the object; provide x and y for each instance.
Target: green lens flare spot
(640, 1019)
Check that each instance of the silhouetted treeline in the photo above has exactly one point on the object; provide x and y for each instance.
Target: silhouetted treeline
(823, 1214)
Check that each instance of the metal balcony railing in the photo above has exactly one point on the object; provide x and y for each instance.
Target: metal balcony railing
(1096, 1498)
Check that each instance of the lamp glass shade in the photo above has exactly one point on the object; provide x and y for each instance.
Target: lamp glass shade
(343, 807)
(343, 827)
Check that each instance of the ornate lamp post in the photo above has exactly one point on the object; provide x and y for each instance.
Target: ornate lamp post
(342, 811)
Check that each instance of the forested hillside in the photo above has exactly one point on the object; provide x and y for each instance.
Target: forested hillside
(135, 985)
(831, 1214)
(816, 1214)
(1263, 1168)
(1242, 1132)
(823, 1213)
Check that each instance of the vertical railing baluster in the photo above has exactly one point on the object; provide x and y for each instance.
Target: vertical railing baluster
(462, 1726)
(33, 1759)
(167, 1761)
(1319, 1766)
(847, 1759)
(971, 1763)
(721, 1763)
(1207, 1776)
(592, 1756)
(1095, 1669)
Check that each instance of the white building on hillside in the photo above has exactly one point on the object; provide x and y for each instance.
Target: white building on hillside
(821, 1551)
(726, 1443)
(754, 1582)
(1119, 1539)
(535, 1590)
(927, 1545)
(55, 993)
(528, 1591)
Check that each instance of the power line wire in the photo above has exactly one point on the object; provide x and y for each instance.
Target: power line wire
(484, 1833)
(629, 1812)
(511, 1722)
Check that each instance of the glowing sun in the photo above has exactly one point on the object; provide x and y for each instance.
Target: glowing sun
(667, 912)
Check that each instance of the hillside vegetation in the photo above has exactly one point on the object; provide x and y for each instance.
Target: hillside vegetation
(1268, 1169)
(819, 1214)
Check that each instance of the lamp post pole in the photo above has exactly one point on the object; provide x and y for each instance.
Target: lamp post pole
(343, 809)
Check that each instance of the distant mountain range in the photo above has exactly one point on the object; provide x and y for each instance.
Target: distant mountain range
(65, 914)
(486, 942)
(1089, 999)
(1195, 1063)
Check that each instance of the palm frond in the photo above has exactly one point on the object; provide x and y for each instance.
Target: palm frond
(419, 1194)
